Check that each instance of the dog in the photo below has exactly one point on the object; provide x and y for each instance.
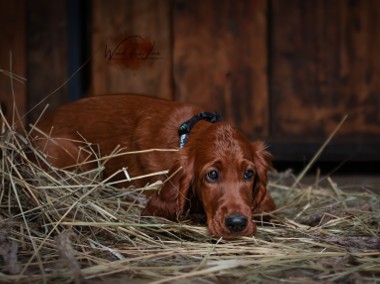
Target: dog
(215, 170)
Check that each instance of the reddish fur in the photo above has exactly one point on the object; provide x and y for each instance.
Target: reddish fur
(140, 123)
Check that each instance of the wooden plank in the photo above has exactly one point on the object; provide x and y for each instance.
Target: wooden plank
(118, 64)
(47, 60)
(12, 56)
(220, 60)
(326, 64)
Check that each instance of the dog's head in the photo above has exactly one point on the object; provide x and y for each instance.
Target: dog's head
(220, 173)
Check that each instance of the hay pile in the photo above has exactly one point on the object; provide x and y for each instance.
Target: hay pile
(67, 227)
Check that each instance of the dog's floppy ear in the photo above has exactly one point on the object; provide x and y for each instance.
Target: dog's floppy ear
(262, 201)
(171, 201)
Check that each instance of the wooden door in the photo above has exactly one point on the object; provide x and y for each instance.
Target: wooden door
(325, 64)
(283, 71)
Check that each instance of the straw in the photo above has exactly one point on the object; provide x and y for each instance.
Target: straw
(62, 226)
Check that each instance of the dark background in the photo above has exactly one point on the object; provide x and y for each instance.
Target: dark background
(283, 71)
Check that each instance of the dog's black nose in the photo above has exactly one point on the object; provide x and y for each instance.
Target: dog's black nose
(236, 222)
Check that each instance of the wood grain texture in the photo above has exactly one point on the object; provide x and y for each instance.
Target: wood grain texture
(114, 21)
(47, 55)
(220, 60)
(325, 64)
(12, 56)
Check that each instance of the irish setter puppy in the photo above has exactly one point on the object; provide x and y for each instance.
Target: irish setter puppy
(216, 171)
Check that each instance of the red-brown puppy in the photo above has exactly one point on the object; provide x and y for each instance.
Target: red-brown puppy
(216, 171)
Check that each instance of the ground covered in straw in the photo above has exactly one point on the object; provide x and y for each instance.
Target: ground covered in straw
(65, 227)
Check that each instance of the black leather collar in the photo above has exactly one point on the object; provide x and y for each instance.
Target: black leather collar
(185, 128)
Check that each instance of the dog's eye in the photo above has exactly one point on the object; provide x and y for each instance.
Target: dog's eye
(212, 176)
(248, 175)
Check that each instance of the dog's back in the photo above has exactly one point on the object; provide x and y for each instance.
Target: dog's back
(130, 122)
